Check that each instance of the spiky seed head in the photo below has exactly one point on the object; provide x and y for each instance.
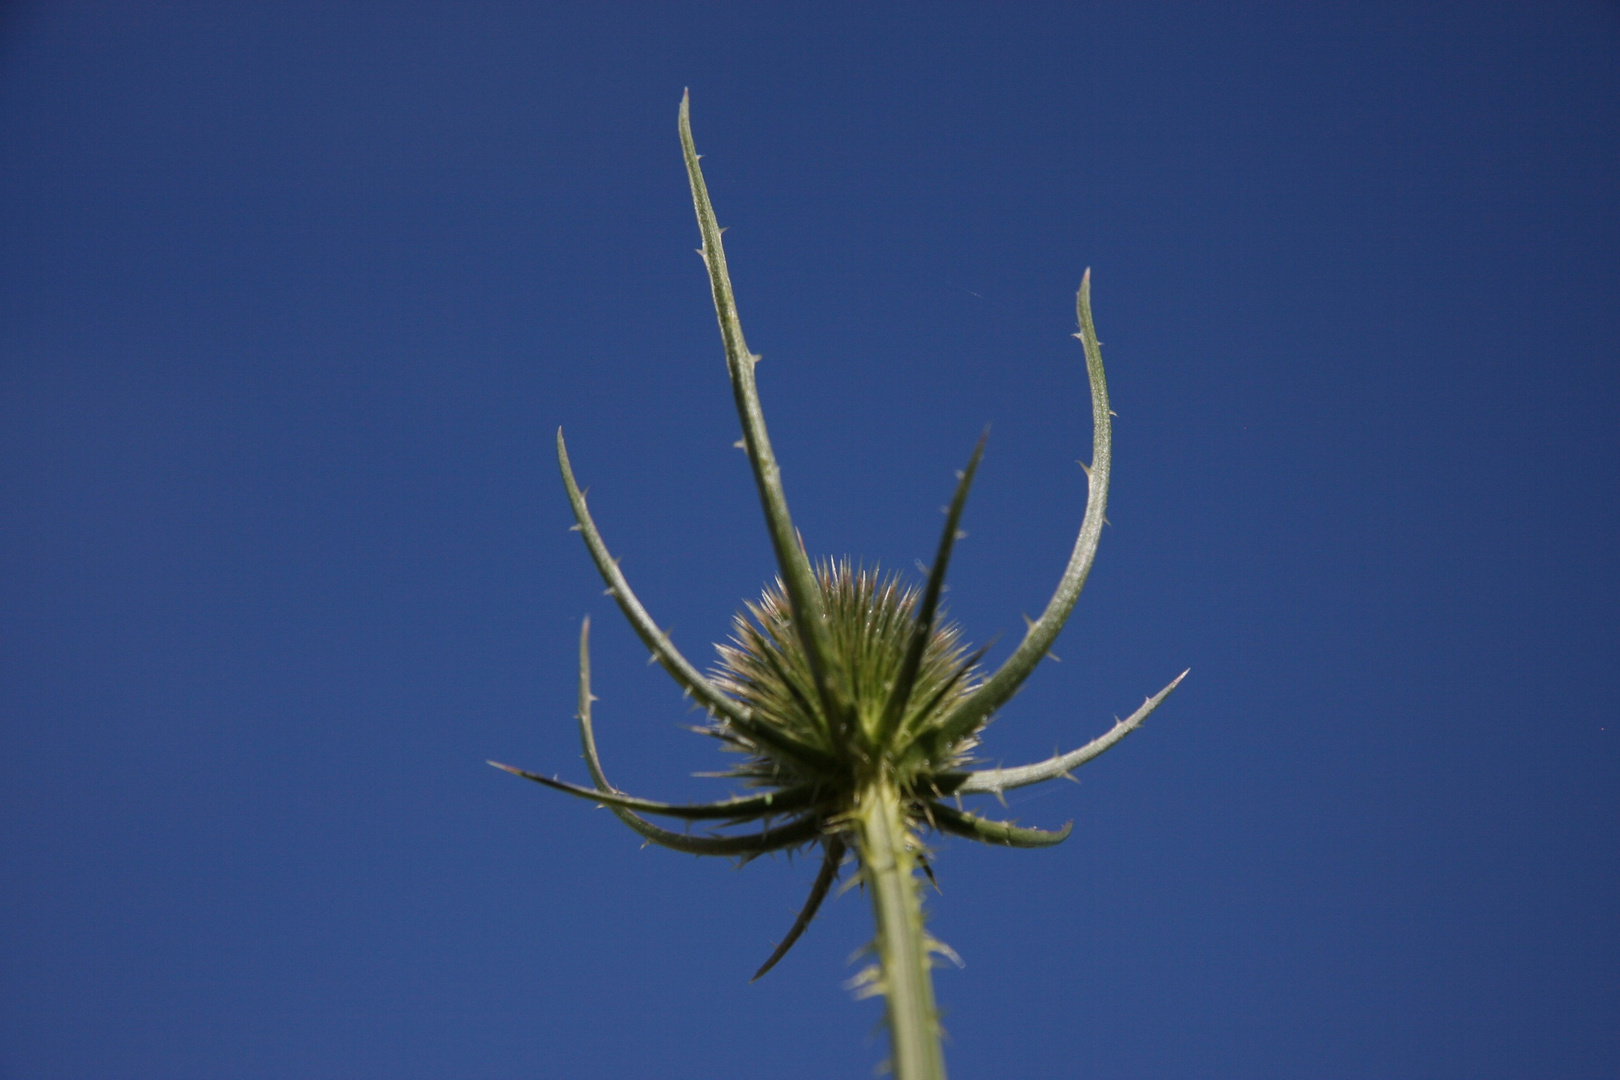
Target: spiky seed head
(871, 620)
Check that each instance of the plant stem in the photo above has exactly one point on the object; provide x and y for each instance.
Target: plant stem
(889, 864)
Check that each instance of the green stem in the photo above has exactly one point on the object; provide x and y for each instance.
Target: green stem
(889, 865)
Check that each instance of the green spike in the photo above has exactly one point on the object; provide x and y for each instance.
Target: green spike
(776, 803)
(797, 575)
(818, 892)
(923, 631)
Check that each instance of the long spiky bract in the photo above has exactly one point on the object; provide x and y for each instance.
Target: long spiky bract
(853, 707)
(809, 619)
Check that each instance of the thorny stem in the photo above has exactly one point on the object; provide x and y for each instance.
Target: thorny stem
(888, 866)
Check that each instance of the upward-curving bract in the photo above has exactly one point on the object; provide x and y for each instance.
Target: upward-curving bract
(797, 575)
(679, 668)
(798, 832)
(855, 709)
(1038, 638)
(1005, 779)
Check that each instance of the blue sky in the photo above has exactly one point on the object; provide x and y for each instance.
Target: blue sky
(293, 298)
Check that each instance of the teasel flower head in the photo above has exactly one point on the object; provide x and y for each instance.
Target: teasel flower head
(895, 716)
(855, 708)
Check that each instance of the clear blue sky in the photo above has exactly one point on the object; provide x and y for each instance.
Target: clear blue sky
(293, 297)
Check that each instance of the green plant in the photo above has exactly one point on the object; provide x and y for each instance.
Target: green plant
(856, 711)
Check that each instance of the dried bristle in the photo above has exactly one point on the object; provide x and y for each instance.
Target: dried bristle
(871, 618)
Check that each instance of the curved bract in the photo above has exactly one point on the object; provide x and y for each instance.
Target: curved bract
(855, 708)
(731, 810)
(796, 573)
(1000, 687)
(988, 831)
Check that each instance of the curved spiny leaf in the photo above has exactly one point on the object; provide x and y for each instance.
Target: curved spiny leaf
(988, 831)
(798, 577)
(818, 892)
(758, 806)
(794, 833)
(999, 688)
(999, 780)
(679, 668)
(928, 609)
